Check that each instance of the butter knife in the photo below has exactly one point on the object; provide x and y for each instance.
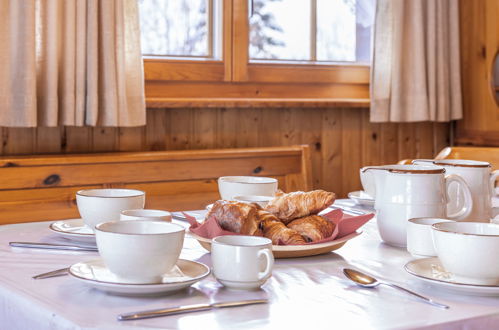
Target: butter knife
(51, 246)
(53, 273)
(186, 309)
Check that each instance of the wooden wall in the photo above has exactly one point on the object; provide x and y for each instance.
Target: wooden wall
(479, 36)
(342, 139)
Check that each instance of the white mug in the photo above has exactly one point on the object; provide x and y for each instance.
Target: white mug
(419, 237)
(480, 180)
(402, 192)
(145, 214)
(231, 186)
(242, 262)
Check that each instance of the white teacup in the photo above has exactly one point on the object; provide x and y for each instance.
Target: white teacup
(98, 205)
(260, 200)
(419, 237)
(231, 186)
(146, 214)
(139, 251)
(242, 262)
(468, 250)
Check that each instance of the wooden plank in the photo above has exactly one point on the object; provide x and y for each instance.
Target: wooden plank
(182, 128)
(104, 139)
(158, 128)
(332, 178)
(351, 147)
(227, 128)
(131, 138)
(48, 140)
(77, 139)
(204, 132)
(249, 122)
(18, 141)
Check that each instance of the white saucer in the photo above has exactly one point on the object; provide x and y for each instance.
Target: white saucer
(96, 274)
(73, 229)
(361, 198)
(431, 270)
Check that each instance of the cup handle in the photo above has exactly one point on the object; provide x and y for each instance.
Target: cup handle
(468, 201)
(269, 263)
(493, 177)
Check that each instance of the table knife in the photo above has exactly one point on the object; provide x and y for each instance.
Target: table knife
(186, 309)
(53, 273)
(52, 246)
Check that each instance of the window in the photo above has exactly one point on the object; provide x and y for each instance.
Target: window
(242, 52)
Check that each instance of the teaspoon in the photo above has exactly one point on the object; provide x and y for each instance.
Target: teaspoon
(367, 281)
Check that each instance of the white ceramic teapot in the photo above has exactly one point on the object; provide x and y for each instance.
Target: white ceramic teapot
(480, 179)
(402, 192)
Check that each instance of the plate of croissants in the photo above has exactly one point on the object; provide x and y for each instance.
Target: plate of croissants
(293, 221)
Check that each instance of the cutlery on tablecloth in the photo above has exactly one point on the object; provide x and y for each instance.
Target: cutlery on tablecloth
(53, 273)
(367, 281)
(186, 309)
(52, 246)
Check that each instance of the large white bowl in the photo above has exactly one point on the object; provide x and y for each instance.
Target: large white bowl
(469, 250)
(231, 186)
(99, 205)
(139, 251)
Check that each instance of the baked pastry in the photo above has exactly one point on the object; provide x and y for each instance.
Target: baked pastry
(241, 218)
(313, 228)
(299, 204)
(274, 229)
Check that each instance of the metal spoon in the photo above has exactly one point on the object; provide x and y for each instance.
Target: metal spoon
(367, 281)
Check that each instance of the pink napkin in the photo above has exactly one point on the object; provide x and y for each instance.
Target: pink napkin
(345, 225)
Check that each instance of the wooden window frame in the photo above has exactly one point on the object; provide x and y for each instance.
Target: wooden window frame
(241, 83)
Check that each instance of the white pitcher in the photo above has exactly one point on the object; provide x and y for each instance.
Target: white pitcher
(402, 192)
(480, 180)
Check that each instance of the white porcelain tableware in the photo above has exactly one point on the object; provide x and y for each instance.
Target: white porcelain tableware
(480, 180)
(419, 237)
(231, 186)
(96, 274)
(242, 262)
(469, 250)
(74, 230)
(431, 271)
(260, 200)
(402, 192)
(139, 251)
(99, 205)
(146, 214)
(361, 198)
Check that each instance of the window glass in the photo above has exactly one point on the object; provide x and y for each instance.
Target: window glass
(176, 27)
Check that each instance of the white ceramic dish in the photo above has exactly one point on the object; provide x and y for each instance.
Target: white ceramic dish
(73, 229)
(292, 251)
(431, 271)
(97, 275)
(361, 198)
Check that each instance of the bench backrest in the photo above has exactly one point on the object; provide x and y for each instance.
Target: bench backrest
(43, 187)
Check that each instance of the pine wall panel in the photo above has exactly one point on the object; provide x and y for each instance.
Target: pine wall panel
(342, 139)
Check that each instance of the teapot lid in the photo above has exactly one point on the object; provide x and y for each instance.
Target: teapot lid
(409, 169)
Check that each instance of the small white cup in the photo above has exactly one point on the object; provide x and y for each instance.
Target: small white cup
(140, 251)
(260, 200)
(242, 262)
(98, 205)
(146, 214)
(419, 237)
(231, 186)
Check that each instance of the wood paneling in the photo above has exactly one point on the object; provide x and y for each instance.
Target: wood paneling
(479, 43)
(341, 139)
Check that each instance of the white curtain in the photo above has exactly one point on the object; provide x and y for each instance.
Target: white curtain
(70, 62)
(415, 74)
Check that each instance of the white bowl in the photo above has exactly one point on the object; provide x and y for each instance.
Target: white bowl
(260, 200)
(469, 250)
(231, 186)
(99, 205)
(139, 251)
(146, 214)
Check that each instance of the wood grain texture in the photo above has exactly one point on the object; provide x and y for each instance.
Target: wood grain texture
(479, 37)
(341, 140)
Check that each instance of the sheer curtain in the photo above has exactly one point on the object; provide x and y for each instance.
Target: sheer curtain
(75, 62)
(415, 74)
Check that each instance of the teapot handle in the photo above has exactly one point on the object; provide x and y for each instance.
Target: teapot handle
(493, 177)
(468, 201)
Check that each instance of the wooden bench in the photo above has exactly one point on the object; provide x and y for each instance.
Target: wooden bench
(37, 188)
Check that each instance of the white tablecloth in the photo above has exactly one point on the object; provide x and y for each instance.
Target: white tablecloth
(304, 293)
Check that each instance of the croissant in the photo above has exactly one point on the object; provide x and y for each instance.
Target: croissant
(313, 227)
(237, 217)
(278, 232)
(299, 204)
